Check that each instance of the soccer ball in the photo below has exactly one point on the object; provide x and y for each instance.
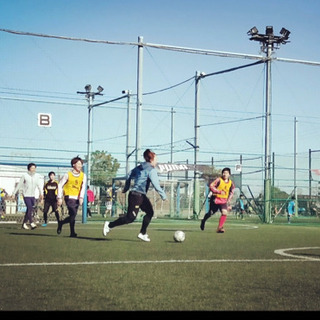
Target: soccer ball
(179, 236)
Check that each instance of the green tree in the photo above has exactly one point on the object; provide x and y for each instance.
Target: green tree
(209, 173)
(278, 194)
(103, 168)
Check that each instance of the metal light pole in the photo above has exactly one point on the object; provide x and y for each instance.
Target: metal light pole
(296, 208)
(196, 191)
(268, 42)
(90, 97)
(128, 93)
(139, 99)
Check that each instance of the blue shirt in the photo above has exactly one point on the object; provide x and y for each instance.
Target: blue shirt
(241, 204)
(291, 207)
(142, 176)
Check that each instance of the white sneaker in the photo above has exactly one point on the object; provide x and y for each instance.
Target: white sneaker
(24, 226)
(33, 225)
(144, 237)
(106, 228)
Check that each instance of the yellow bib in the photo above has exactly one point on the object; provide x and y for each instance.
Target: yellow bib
(73, 185)
(224, 186)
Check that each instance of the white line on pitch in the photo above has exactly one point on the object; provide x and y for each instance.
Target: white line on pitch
(282, 252)
(31, 264)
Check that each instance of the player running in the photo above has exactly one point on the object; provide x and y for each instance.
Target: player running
(72, 187)
(222, 190)
(50, 191)
(142, 175)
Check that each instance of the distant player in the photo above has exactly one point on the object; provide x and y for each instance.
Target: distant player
(291, 210)
(222, 190)
(241, 207)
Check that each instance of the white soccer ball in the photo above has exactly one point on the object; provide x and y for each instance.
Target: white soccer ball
(179, 236)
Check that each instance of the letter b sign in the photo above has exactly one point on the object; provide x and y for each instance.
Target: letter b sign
(44, 119)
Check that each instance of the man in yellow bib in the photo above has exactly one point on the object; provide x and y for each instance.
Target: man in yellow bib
(72, 187)
(222, 190)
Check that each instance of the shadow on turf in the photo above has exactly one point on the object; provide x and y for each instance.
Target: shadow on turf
(57, 236)
(78, 237)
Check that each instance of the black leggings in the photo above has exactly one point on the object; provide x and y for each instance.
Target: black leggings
(47, 205)
(213, 209)
(136, 201)
(72, 205)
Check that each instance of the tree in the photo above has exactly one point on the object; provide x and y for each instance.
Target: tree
(103, 168)
(278, 194)
(209, 173)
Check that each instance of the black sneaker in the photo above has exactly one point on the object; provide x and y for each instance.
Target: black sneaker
(220, 230)
(59, 227)
(73, 235)
(202, 224)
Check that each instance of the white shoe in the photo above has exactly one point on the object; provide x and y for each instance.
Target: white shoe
(24, 226)
(33, 225)
(144, 237)
(106, 228)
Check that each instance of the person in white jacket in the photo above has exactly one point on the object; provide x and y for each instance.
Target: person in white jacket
(28, 184)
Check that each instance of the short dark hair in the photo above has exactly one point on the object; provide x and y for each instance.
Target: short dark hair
(50, 173)
(31, 165)
(148, 155)
(75, 160)
(226, 169)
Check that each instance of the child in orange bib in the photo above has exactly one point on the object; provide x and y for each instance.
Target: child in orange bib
(222, 190)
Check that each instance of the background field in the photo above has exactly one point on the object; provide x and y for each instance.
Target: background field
(237, 270)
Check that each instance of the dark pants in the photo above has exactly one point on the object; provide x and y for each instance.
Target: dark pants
(89, 211)
(47, 205)
(213, 209)
(136, 201)
(30, 202)
(72, 205)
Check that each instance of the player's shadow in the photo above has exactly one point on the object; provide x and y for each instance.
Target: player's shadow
(59, 236)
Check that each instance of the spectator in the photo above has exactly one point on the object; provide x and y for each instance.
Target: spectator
(90, 201)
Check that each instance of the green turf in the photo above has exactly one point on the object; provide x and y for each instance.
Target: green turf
(237, 270)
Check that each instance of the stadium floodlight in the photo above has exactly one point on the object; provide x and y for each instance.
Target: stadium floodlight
(268, 42)
(269, 31)
(90, 97)
(285, 33)
(253, 31)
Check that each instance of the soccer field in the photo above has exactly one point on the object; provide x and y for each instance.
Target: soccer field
(252, 266)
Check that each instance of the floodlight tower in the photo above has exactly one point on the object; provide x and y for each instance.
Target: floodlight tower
(268, 42)
(90, 97)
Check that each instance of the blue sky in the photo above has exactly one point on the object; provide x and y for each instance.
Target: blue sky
(50, 72)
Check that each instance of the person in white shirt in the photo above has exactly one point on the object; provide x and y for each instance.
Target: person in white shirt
(29, 182)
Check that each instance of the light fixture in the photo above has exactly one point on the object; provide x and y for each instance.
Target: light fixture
(100, 89)
(269, 31)
(253, 31)
(88, 87)
(285, 33)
